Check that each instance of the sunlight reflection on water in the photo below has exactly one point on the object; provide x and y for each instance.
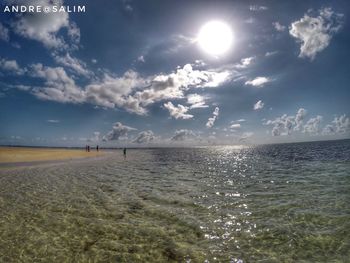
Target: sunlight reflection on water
(230, 204)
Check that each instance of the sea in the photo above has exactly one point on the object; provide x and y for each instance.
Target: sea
(267, 203)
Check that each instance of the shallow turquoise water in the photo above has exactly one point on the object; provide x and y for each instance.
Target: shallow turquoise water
(274, 203)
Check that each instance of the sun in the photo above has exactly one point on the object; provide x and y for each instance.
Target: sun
(215, 37)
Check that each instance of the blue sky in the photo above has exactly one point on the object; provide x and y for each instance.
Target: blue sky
(133, 73)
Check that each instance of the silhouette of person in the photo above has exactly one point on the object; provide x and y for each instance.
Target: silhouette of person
(124, 152)
(88, 148)
(97, 148)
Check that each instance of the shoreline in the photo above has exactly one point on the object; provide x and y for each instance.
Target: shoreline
(20, 156)
(177, 145)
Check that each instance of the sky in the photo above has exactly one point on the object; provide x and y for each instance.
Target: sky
(136, 73)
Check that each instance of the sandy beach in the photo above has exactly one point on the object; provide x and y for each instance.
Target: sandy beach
(27, 154)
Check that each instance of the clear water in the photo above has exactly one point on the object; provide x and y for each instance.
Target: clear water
(273, 203)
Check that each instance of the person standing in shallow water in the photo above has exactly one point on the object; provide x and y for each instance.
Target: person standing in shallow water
(97, 148)
(124, 152)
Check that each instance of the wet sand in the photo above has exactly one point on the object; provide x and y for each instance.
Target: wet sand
(27, 155)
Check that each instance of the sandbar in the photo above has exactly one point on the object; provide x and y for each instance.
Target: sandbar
(27, 154)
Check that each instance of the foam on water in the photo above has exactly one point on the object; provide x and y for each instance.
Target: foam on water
(274, 203)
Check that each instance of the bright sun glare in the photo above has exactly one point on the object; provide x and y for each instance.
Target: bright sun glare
(215, 37)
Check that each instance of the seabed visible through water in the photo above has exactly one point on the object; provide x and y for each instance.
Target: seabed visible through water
(274, 203)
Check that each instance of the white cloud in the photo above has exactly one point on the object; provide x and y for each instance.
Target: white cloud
(313, 126)
(258, 81)
(271, 53)
(250, 20)
(216, 78)
(299, 119)
(187, 77)
(199, 62)
(16, 137)
(340, 125)
(152, 89)
(72, 63)
(235, 126)
(178, 112)
(144, 137)
(257, 8)
(282, 125)
(328, 130)
(130, 91)
(245, 62)
(173, 44)
(279, 27)
(285, 125)
(246, 135)
(44, 27)
(127, 5)
(118, 131)
(58, 85)
(173, 85)
(183, 134)
(240, 120)
(114, 92)
(259, 105)
(95, 138)
(212, 120)
(4, 33)
(53, 121)
(23, 87)
(196, 101)
(11, 66)
(141, 59)
(315, 33)
(73, 32)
